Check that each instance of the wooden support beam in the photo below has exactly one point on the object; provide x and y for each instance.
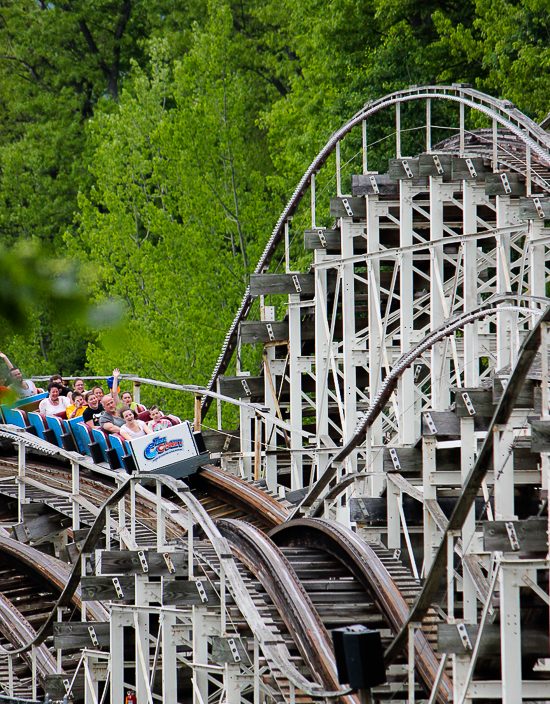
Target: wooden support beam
(275, 284)
(533, 641)
(323, 239)
(409, 459)
(526, 397)
(398, 171)
(253, 332)
(374, 184)
(223, 651)
(436, 165)
(40, 523)
(506, 183)
(55, 687)
(481, 400)
(530, 536)
(446, 423)
(373, 510)
(356, 207)
(537, 208)
(242, 386)
(462, 169)
(436, 512)
(224, 441)
(128, 562)
(76, 634)
(103, 588)
(187, 593)
(540, 435)
(406, 487)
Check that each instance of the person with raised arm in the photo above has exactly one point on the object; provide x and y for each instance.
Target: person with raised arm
(19, 386)
(126, 398)
(22, 388)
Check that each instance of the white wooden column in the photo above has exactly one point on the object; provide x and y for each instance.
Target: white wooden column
(200, 654)
(268, 314)
(431, 539)
(440, 367)
(375, 455)
(321, 357)
(409, 419)
(505, 327)
(245, 419)
(510, 635)
(471, 194)
(169, 660)
(537, 253)
(349, 396)
(116, 645)
(467, 461)
(295, 348)
(503, 463)
(142, 640)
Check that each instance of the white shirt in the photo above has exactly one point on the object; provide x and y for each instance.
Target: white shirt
(23, 392)
(50, 409)
(135, 434)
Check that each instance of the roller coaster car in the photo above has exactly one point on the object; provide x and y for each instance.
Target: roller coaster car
(176, 451)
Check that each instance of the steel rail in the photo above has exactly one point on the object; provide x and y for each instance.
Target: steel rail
(502, 111)
(53, 570)
(365, 565)
(472, 485)
(230, 489)
(272, 569)
(15, 627)
(240, 494)
(390, 383)
(276, 653)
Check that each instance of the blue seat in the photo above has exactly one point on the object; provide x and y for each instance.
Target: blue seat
(30, 403)
(29, 399)
(38, 421)
(121, 446)
(70, 427)
(82, 436)
(56, 424)
(14, 416)
(100, 436)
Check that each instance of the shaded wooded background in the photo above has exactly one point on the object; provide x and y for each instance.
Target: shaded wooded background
(156, 142)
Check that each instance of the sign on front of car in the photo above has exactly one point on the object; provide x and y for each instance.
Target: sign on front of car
(164, 448)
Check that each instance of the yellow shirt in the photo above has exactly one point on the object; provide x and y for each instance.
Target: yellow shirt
(70, 411)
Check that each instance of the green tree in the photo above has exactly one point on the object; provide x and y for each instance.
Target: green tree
(178, 211)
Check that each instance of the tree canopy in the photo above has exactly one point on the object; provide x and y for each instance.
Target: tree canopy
(155, 144)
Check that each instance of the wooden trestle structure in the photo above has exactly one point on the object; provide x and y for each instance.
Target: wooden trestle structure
(390, 468)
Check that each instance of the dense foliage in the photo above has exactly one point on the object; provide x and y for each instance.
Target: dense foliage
(156, 142)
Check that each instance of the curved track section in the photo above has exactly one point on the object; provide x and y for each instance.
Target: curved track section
(50, 569)
(273, 570)
(30, 583)
(261, 506)
(365, 565)
(501, 111)
(390, 384)
(18, 631)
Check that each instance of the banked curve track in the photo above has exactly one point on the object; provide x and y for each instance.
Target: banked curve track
(502, 112)
(287, 593)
